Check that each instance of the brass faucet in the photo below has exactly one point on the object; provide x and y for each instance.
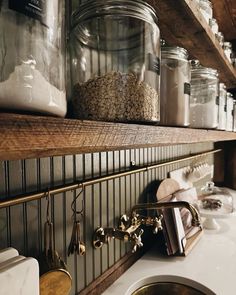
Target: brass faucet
(129, 227)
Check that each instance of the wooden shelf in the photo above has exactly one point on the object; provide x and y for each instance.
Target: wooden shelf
(182, 24)
(24, 136)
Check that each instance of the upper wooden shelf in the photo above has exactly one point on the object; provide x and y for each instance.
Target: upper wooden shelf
(182, 24)
(24, 136)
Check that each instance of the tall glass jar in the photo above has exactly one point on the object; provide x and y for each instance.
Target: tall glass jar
(222, 106)
(229, 113)
(115, 49)
(206, 9)
(175, 86)
(204, 100)
(32, 56)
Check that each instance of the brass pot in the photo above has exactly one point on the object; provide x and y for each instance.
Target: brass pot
(54, 276)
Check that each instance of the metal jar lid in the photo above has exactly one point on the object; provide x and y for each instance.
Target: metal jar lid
(174, 52)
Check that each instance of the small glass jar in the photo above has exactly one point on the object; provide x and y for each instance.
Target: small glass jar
(220, 38)
(214, 26)
(229, 113)
(206, 9)
(228, 50)
(222, 106)
(32, 56)
(115, 61)
(204, 99)
(234, 116)
(175, 86)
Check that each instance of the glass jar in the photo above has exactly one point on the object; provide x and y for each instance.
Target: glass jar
(234, 116)
(206, 9)
(115, 65)
(32, 56)
(204, 99)
(214, 26)
(229, 112)
(220, 38)
(175, 86)
(228, 50)
(222, 106)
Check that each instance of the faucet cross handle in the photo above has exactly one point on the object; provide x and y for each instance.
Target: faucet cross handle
(136, 237)
(157, 225)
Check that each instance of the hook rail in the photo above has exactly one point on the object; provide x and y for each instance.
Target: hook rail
(62, 189)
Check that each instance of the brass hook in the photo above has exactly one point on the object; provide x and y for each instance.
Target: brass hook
(73, 204)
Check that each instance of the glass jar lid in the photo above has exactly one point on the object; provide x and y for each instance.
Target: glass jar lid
(95, 8)
(174, 52)
(198, 70)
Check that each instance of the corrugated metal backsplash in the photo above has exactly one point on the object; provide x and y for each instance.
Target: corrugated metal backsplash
(21, 226)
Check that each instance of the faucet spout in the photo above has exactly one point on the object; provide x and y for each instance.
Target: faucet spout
(196, 220)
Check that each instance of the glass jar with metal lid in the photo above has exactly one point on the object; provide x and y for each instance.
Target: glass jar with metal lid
(175, 86)
(204, 99)
(222, 106)
(206, 9)
(229, 113)
(115, 66)
(32, 56)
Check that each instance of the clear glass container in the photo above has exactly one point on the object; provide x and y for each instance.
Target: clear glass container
(229, 112)
(220, 38)
(234, 116)
(115, 61)
(228, 50)
(32, 56)
(222, 106)
(214, 26)
(204, 99)
(175, 86)
(206, 9)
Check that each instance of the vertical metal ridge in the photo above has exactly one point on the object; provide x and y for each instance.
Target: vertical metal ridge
(24, 207)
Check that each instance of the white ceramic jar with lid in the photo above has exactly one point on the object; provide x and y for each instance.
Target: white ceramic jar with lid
(175, 86)
(115, 61)
(222, 106)
(214, 26)
(204, 99)
(228, 50)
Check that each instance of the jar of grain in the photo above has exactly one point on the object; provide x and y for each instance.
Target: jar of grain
(115, 66)
(32, 56)
(204, 99)
(175, 86)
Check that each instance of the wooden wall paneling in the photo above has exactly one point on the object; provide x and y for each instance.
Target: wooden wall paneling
(219, 165)
(33, 236)
(103, 204)
(18, 218)
(97, 253)
(230, 164)
(88, 222)
(132, 181)
(4, 228)
(110, 207)
(127, 198)
(79, 261)
(116, 200)
(122, 197)
(137, 176)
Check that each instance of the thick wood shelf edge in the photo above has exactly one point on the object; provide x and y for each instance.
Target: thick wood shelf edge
(182, 24)
(25, 136)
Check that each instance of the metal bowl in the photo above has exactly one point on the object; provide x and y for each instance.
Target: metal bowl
(167, 288)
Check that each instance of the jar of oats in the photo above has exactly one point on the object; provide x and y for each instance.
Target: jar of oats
(115, 65)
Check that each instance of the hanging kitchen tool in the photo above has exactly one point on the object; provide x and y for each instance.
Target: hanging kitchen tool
(54, 276)
(76, 245)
